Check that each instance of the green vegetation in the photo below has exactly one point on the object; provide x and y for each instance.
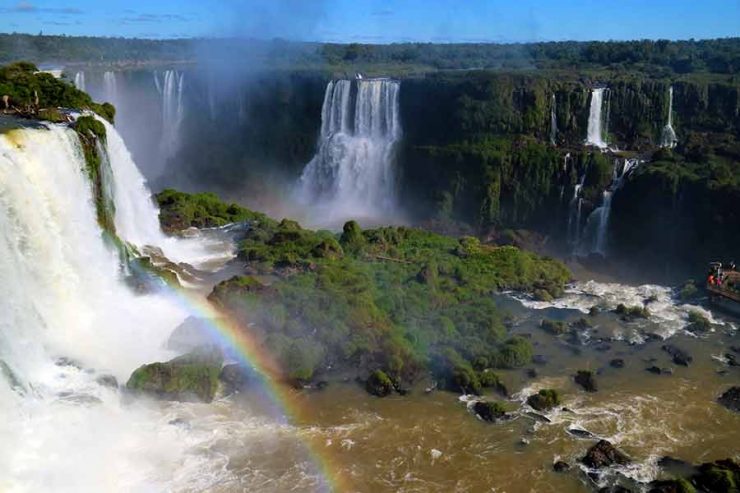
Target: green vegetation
(630, 313)
(554, 327)
(38, 94)
(92, 135)
(721, 476)
(180, 211)
(190, 377)
(395, 299)
(544, 400)
(655, 58)
(698, 322)
(378, 383)
(490, 411)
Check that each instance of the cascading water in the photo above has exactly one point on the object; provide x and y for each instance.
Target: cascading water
(110, 87)
(596, 119)
(598, 221)
(553, 123)
(574, 216)
(352, 173)
(137, 217)
(80, 81)
(668, 138)
(170, 89)
(67, 321)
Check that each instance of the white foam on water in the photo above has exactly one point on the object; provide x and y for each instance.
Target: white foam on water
(666, 314)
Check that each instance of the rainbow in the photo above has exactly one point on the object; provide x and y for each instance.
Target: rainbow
(285, 401)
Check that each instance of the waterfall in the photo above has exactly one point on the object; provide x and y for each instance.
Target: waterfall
(668, 139)
(110, 87)
(352, 173)
(80, 81)
(137, 216)
(596, 119)
(598, 221)
(67, 320)
(575, 207)
(553, 123)
(170, 89)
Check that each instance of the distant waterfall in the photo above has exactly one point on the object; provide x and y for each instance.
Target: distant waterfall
(170, 87)
(80, 81)
(598, 221)
(553, 123)
(574, 216)
(597, 119)
(352, 173)
(110, 87)
(668, 138)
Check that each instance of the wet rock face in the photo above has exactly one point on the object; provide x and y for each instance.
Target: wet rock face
(720, 476)
(235, 377)
(587, 380)
(604, 454)
(680, 357)
(731, 399)
(560, 466)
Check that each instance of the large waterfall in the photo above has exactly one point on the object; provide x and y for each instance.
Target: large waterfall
(137, 216)
(170, 88)
(598, 222)
(596, 119)
(352, 173)
(668, 139)
(67, 321)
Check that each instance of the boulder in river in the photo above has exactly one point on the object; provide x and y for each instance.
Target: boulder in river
(490, 411)
(587, 380)
(579, 433)
(731, 399)
(671, 486)
(191, 377)
(378, 383)
(722, 476)
(235, 377)
(604, 454)
(617, 363)
(680, 357)
(560, 466)
(544, 400)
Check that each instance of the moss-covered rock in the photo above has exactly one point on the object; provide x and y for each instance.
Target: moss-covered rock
(722, 476)
(698, 323)
(554, 327)
(192, 377)
(490, 411)
(179, 211)
(630, 313)
(379, 384)
(544, 400)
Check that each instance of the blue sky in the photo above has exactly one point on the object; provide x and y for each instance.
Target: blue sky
(378, 21)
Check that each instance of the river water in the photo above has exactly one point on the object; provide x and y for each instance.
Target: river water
(432, 442)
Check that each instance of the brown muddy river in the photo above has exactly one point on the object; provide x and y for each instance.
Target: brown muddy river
(432, 442)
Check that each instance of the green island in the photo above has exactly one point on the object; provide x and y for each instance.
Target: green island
(392, 302)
